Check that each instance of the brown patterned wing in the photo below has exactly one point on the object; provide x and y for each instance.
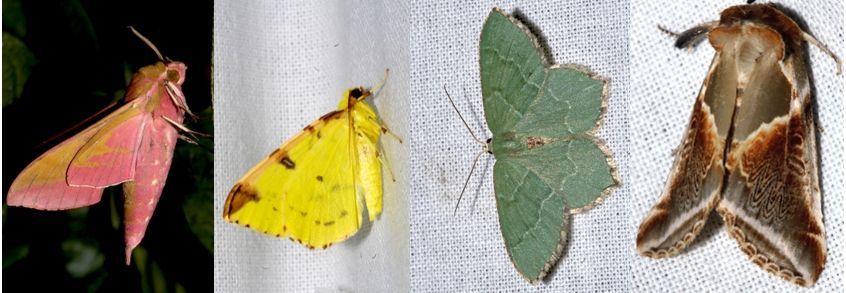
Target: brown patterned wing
(697, 175)
(771, 204)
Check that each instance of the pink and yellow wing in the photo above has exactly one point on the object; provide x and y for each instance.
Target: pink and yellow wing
(108, 158)
(43, 184)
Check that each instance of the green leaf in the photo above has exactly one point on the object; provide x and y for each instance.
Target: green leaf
(198, 203)
(548, 163)
(17, 64)
(197, 206)
(13, 254)
(83, 258)
(14, 19)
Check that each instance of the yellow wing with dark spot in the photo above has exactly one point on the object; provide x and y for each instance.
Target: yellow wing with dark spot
(313, 188)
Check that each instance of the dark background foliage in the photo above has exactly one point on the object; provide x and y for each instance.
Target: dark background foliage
(63, 61)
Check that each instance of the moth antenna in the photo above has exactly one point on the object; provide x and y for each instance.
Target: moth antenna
(147, 41)
(378, 87)
(451, 102)
(80, 124)
(466, 181)
(669, 32)
(810, 39)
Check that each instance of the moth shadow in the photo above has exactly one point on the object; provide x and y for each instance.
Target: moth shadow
(478, 119)
(486, 170)
(366, 225)
(561, 258)
(543, 45)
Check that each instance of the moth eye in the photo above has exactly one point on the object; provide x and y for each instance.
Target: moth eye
(355, 93)
(172, 75)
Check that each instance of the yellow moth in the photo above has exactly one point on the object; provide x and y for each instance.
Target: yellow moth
(314, 188)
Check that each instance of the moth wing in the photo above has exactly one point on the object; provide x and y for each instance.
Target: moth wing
(109, 156)
(696, 178)
(532, 216)
(43, 183)
(533, 187)
(306, 189)
(771, 204)
(512, 71)
(367, 131)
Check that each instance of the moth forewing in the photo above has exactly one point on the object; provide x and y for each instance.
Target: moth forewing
(314, 187)
(757, 99)
(697, 174)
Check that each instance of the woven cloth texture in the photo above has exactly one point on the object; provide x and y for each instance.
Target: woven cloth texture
(665, 82)
(465, 252)
(278, 66)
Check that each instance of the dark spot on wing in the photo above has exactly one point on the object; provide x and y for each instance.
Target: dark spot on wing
(240, 195)
(309, 128)
(320, 178)
(328, 223)
(317, 222)
(286, 161)
(332, 114)
(303, 214)
(343, 213)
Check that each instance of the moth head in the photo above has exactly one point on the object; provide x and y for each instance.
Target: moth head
(354, 95)
(175, 72)
(358, 93)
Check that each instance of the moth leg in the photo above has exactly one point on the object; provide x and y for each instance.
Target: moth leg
(386, 130)
(174, 92)
(689, 38)
(810, 39)
(188, 139)
(190, 132)
(385, 161)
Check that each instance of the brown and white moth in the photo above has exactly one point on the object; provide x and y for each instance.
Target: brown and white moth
(749, 150)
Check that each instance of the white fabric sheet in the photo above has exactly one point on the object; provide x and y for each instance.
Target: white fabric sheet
(665, 82)
(465, 252)
(279, 65)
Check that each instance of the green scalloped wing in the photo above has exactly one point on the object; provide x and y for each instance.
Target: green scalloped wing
(565, 169)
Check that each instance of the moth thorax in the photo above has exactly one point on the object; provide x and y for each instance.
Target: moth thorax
(536, 141)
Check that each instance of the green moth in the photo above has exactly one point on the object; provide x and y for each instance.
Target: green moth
(548, 163)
